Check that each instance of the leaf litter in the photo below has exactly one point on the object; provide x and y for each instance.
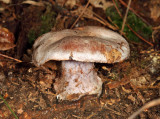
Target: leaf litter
(29, 90)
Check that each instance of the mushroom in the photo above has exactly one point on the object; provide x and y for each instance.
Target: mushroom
(79, 49)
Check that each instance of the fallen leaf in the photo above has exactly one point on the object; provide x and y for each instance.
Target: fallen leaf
(2, 9)
(6, 1)
(20, 111)
(155, 8)
(25, 115)
(33, 3)
(101, 4)
(133, 99)
(141, 80)
(126, 90)
(87, 14)
(70, 3)
(6, 39)
(6, 46)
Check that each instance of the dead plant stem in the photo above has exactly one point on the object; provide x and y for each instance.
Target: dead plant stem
(146, 106)
(134, 31)
(81, 14)
(114, 3)
(125, 17)
(10, 57)
(124, 4)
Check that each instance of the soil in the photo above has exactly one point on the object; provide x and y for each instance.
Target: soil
(28, 89)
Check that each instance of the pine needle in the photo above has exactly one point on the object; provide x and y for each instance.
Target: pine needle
(9, 107)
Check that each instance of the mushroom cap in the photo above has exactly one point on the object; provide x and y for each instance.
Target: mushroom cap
(85, 44)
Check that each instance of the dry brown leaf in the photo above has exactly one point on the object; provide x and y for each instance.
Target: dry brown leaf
(88, 12)
(126, 90)
(42, 103)
(155, 8)
(60, 2)
(6, 46)
(33, 3)
(141, 80)
(70, 3)
(91, 15)
(2, 9)
(139, 95)
(115, 84)
(25, 115)
(20, 111)
(101, 4)
(154, 14)
(133, 99)
(6, 39)
(6, 35)
(6, 1)
(60, 23)
(2, 62)
(67, 3)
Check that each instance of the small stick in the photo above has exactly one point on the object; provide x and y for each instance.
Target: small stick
(139, 36)
(51, 1)
(146, 106)
(148, 87)
(156, 28)
(135, 32)
(105, 21)
(91, 115)
(80, 14)
(113, 111)
(123, 3)
(125, 17)
(117, 8)
(10, 57)
(109, 18)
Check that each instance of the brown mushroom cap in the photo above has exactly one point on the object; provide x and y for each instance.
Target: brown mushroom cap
(86, 44)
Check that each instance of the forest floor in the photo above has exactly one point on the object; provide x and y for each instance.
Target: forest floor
(127, 85)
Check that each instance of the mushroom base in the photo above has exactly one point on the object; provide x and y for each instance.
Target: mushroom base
(78, 79)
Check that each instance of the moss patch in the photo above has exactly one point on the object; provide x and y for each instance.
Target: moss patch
(135, 23)
(47, 21)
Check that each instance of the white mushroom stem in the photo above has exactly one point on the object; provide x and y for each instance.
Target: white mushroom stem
(77, 80)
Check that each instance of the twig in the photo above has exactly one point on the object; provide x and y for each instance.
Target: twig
(125, 17)
(156, 28)
(146, 106)
(139, 36)
(138, 93)
(148, 87)
(80, 14)
(109, 18)
(51, 1)
(64, 2)
(91, 115)
(135, 32)
(113, 111)
(117, 8)
(76, 116)
(124, 4)
(106, 22)
(10, 57)
(153, 33)
(99, 20)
